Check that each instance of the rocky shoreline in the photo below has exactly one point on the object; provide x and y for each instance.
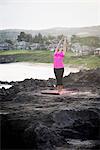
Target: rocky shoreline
(31, 120)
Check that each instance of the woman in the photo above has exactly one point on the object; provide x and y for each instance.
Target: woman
(59, 65)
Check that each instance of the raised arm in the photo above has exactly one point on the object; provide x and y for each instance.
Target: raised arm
(65, 45)
(59, 44)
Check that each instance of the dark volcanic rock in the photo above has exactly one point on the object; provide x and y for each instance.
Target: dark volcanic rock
(91, 77)
(31, 120)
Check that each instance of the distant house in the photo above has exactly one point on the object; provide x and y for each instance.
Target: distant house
(5, 46)
(21, 45)
(52, 46)
(87, 50)
(42, 46)
(38, 46)
(34, 46)
(97, 51)
(76, 48)
(81, 50)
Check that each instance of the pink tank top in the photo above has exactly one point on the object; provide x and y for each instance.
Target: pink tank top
(58, 59)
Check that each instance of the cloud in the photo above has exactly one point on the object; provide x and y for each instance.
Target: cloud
(37, 15)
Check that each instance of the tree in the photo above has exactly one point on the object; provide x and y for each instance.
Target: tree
(60, 36)
(50, 37)
(21, 37)
(24, 37)
(28, 38)
(38, 38)
(74, 39)
(9, 41)
(35, 39)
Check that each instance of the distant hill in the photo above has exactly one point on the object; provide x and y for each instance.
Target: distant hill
(82, 31)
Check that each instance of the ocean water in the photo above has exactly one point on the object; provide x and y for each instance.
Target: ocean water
(20, 71)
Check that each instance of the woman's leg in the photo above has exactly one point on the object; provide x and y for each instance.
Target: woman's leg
(61, 79)
(59, 76)
(56, 75)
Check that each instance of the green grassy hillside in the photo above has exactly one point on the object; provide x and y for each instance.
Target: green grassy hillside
(45, 56)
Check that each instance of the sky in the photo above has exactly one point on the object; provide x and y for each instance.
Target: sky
(44, 14)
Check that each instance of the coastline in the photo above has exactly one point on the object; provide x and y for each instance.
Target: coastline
(19, 71)
(31, 120)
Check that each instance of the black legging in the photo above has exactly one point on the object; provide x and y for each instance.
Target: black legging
(59, 75)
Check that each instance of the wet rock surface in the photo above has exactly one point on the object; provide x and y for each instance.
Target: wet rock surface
(31, 120)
